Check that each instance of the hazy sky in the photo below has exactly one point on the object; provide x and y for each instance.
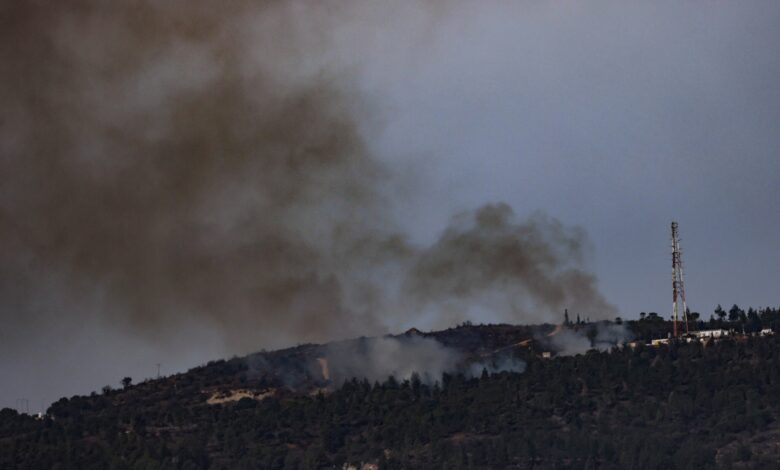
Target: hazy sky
(616, 117)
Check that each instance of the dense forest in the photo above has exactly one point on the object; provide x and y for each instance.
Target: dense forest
(678, 406)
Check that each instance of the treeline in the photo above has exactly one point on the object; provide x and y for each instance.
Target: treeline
(686, 406)
(751, 321)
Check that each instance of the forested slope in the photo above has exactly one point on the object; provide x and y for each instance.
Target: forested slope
(682, 406)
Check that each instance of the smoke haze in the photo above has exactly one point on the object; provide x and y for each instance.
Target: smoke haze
(183, 181)
(376, 359)
(569, 342)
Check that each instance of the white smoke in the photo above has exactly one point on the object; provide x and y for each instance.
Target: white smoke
(603, 337)
(377, 359)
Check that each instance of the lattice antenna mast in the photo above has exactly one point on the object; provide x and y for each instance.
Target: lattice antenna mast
(682, 285)
(678, 285)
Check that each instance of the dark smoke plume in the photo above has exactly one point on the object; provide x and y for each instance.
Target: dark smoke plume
(530, 269)
(148, 155)
(167, 167)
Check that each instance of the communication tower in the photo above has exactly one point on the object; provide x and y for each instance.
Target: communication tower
(678, 286)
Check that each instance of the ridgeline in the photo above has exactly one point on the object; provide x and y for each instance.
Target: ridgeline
(710, 404)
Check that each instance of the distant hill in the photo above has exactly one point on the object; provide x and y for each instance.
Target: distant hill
(475, 396)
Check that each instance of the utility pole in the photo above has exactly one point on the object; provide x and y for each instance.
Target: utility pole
(678, 285)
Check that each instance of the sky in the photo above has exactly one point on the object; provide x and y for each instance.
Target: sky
(180, 184)
(617, 117)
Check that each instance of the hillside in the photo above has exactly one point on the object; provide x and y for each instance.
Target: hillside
(496, 403)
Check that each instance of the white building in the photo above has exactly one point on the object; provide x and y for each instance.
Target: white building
(702, 334)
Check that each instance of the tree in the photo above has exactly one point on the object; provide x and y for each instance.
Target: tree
(653, 316)
(720, 313)
(735, 313)
(566, 320)
(126, 382)
(753, 321)
(416, 384)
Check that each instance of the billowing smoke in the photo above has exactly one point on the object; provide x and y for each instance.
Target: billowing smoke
(195, 174)
(165, 165)
(376, 359)
(529, 269)
(570, 342)
(601, 336)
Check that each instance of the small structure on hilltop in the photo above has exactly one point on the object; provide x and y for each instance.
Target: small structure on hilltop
(705, 334)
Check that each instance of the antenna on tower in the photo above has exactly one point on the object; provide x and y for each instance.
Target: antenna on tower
(678, 285)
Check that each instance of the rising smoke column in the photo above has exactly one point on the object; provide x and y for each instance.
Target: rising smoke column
(172, 165)
(528, 269)
(169, 165)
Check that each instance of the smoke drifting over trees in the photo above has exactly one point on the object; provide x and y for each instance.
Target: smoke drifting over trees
(186, 166)
(376, 359)
(602, 336)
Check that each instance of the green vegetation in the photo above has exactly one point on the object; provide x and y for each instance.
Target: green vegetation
(685, 406)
